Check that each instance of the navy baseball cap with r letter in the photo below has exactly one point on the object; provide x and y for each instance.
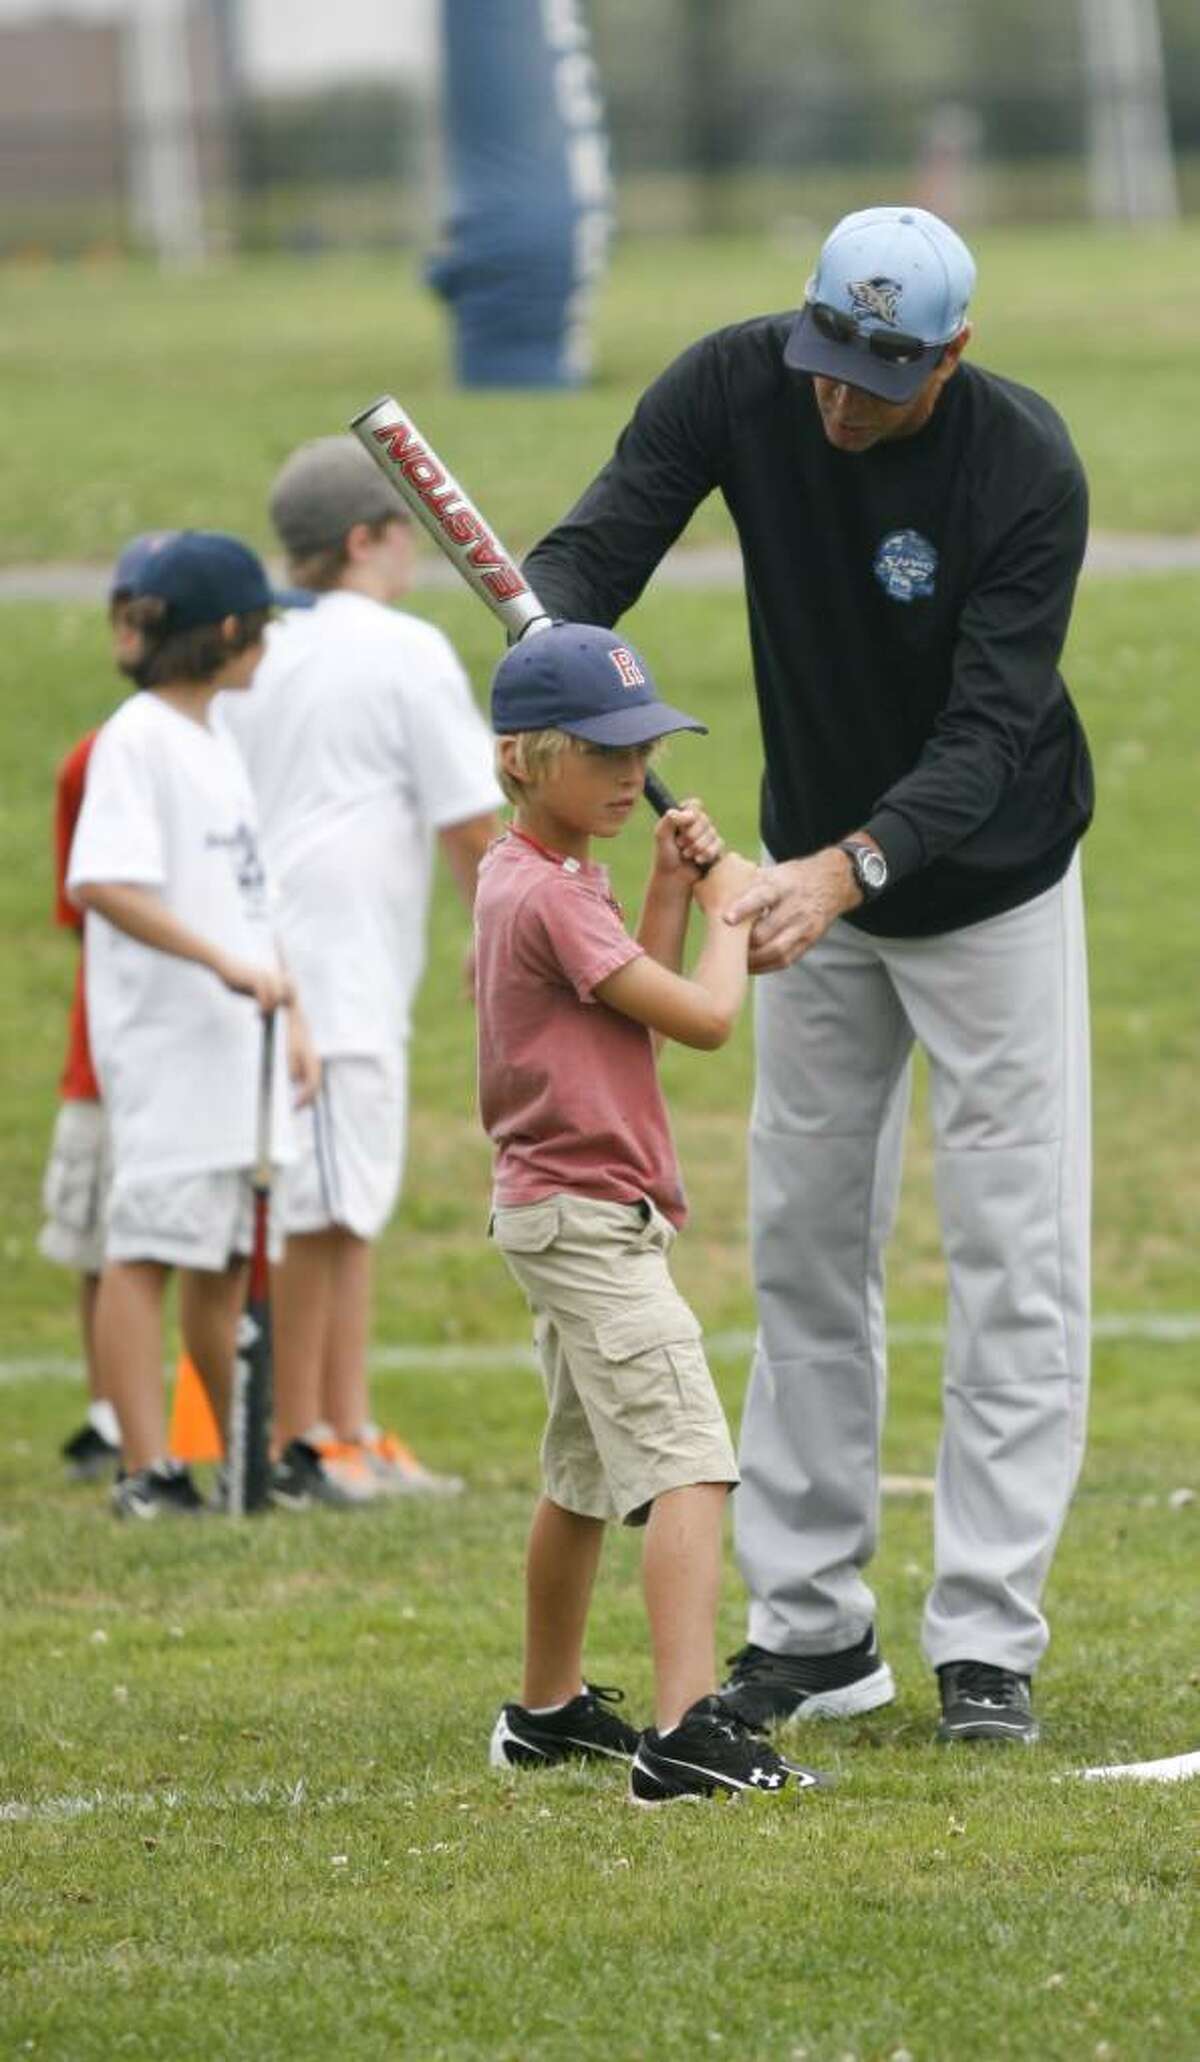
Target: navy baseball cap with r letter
(203, 576)
(587, 681)
(889, 293)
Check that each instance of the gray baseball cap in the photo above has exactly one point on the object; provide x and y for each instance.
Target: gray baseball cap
(323, 489)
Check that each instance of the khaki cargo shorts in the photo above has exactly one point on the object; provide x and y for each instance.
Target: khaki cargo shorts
(632, 1407)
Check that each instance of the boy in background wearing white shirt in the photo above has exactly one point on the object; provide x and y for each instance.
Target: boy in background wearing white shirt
(75, 1188)
(365, 750)
(181, 967)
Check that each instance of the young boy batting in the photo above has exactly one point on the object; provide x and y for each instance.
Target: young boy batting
(588, 1200)
(181, 966)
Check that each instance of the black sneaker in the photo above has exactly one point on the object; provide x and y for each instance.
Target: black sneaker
(583, 1730)
(980, 1702)
(163, 1490)
(89, 1456)
(771, 1689)
(711, 1749)
(299, 1480)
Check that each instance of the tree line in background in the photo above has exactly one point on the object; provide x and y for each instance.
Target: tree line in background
(774, 84)
(713, 110)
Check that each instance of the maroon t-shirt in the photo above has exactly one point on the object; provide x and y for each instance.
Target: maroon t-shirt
(568, 1089)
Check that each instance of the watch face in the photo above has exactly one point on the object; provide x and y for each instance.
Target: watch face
(874, 869)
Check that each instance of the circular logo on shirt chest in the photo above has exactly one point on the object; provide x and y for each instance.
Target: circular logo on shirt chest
(906, 565)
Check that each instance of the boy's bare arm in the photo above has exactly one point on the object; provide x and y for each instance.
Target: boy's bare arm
(145, 916)
(699, 1010)
(685, 842)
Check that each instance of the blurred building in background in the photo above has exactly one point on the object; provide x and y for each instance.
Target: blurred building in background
(188, 126)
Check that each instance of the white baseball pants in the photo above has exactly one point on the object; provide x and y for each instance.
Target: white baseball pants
(1000, 1009)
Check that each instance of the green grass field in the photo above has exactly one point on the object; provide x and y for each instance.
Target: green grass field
(243, 1803)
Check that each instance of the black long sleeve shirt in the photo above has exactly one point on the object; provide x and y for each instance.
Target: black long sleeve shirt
(907, 609)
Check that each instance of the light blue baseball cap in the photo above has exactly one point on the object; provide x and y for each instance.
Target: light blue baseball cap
(890, 290)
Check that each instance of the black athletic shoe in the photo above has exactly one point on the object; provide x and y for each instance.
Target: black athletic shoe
(299, 1480)
(163, 1490)
(583, 1730)
(980, 1702)
(711, 1749)
(88, 1455)
(771, 1689)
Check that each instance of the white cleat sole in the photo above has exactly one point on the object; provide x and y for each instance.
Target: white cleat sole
(850, 1701)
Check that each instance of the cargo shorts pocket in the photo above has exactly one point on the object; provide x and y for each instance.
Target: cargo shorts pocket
(657, 1358)
(72, 1189)
(527, 1227)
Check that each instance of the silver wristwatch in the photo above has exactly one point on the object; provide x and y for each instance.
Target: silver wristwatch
(870, 866)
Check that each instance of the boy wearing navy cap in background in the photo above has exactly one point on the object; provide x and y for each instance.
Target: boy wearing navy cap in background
(181, 964)
(75, 1186)
(588, 1200)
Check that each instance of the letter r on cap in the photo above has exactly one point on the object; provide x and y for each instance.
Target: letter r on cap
(627, 666)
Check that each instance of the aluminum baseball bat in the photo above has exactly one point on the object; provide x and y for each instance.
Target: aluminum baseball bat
(456, 526)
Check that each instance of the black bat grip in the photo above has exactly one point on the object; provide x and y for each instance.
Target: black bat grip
(660, 798)
(658, 794)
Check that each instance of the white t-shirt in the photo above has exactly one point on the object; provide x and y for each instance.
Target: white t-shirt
(362, 741)
(169, 807)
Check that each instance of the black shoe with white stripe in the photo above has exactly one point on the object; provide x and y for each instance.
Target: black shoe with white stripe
(163, 1490)
(774, 1689)
(583, 1730)
(980, 1702)
(711, 1750)
(89, 1456)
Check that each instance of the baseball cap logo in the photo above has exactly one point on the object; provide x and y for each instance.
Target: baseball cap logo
(878, 297)
(627, 666)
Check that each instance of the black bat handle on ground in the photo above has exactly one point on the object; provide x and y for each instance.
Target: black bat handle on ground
(660, 798)
(247, 1468)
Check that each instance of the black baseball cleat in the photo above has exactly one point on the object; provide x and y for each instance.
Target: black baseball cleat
(773, 1689)
(981, 1702)
(712, 1751)
(89, 1456)
(163, 1490)
(583, 1730)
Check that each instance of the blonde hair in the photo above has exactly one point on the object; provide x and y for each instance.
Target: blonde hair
(537, 751)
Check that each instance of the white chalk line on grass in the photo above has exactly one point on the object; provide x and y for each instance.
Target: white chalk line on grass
(20, 1811)
(1168, 1328)
(289, 1796)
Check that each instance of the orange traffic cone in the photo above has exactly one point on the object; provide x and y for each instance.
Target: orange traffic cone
(194, 1434)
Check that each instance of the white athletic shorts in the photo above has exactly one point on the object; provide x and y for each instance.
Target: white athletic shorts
(350, 1147)
(75, 1188)
(189, 1220)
